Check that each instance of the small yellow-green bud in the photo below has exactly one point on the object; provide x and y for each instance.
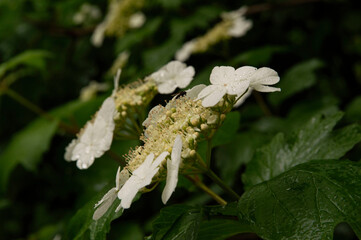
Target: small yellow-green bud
(212, 119)
(223, 116)
(204, 127)
(193, 153)
(195, 120)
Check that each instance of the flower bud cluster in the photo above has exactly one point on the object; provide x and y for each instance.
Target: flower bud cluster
(233, 24)
(116, 22)
(181, 116)
(130, 100)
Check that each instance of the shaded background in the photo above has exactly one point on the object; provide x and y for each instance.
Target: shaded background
(315, 46)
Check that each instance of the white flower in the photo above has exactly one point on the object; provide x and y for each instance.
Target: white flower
(103, 205)
(225, 80)
(174, 74)
(98, 34)
(137, 20)
(172, 169)
(239, 27)
(263, 77)
(95, 138)
(140, 178)
(259, 81)
(186, 51)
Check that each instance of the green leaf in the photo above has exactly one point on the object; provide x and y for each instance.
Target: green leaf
(231, 156)
(353, 110)
(228, 129)
(30, 58)
(314, 141)
(257, 57)
(306, 202)
(177, 222)
(298, 78)
(82, 225)
(219, 229)
(26, 147)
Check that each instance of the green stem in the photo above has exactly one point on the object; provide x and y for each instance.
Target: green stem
(207, 190)
(209, 152)
(222, 184)
(260, 101)
(34, 108)
(217, 179)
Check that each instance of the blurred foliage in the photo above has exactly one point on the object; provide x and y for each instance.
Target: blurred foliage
(315, 47)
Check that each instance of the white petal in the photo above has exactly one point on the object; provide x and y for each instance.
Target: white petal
(167, 87)
(104, 204)
(222, 74)
(213, 97)
(245, 72)
(159, 159)
(98, 35)
(262, 88)
(265, 76)
(172, 169)
(69, 150)
(144, 167)
(185, 77)
(129, 191)
(243, 98)
(239, 27)
(194, 91)
(238, 87)
(175, 67)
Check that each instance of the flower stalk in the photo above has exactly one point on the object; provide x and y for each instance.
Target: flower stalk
(207, 190)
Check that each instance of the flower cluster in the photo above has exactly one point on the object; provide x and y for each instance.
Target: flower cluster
(118, 19)
(87, 14)
(121, 114)
(173, 130)
(233, 24)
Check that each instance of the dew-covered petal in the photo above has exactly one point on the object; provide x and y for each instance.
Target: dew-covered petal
(237, 88)
(221, 75)
(265, 76)
(261, 88)
(211, 95)
(245, 72)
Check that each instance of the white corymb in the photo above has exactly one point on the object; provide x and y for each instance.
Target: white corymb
(172, 169)
(174, 74)
(226, 80)
(95, 138)
(103, 205)
(140, 178)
